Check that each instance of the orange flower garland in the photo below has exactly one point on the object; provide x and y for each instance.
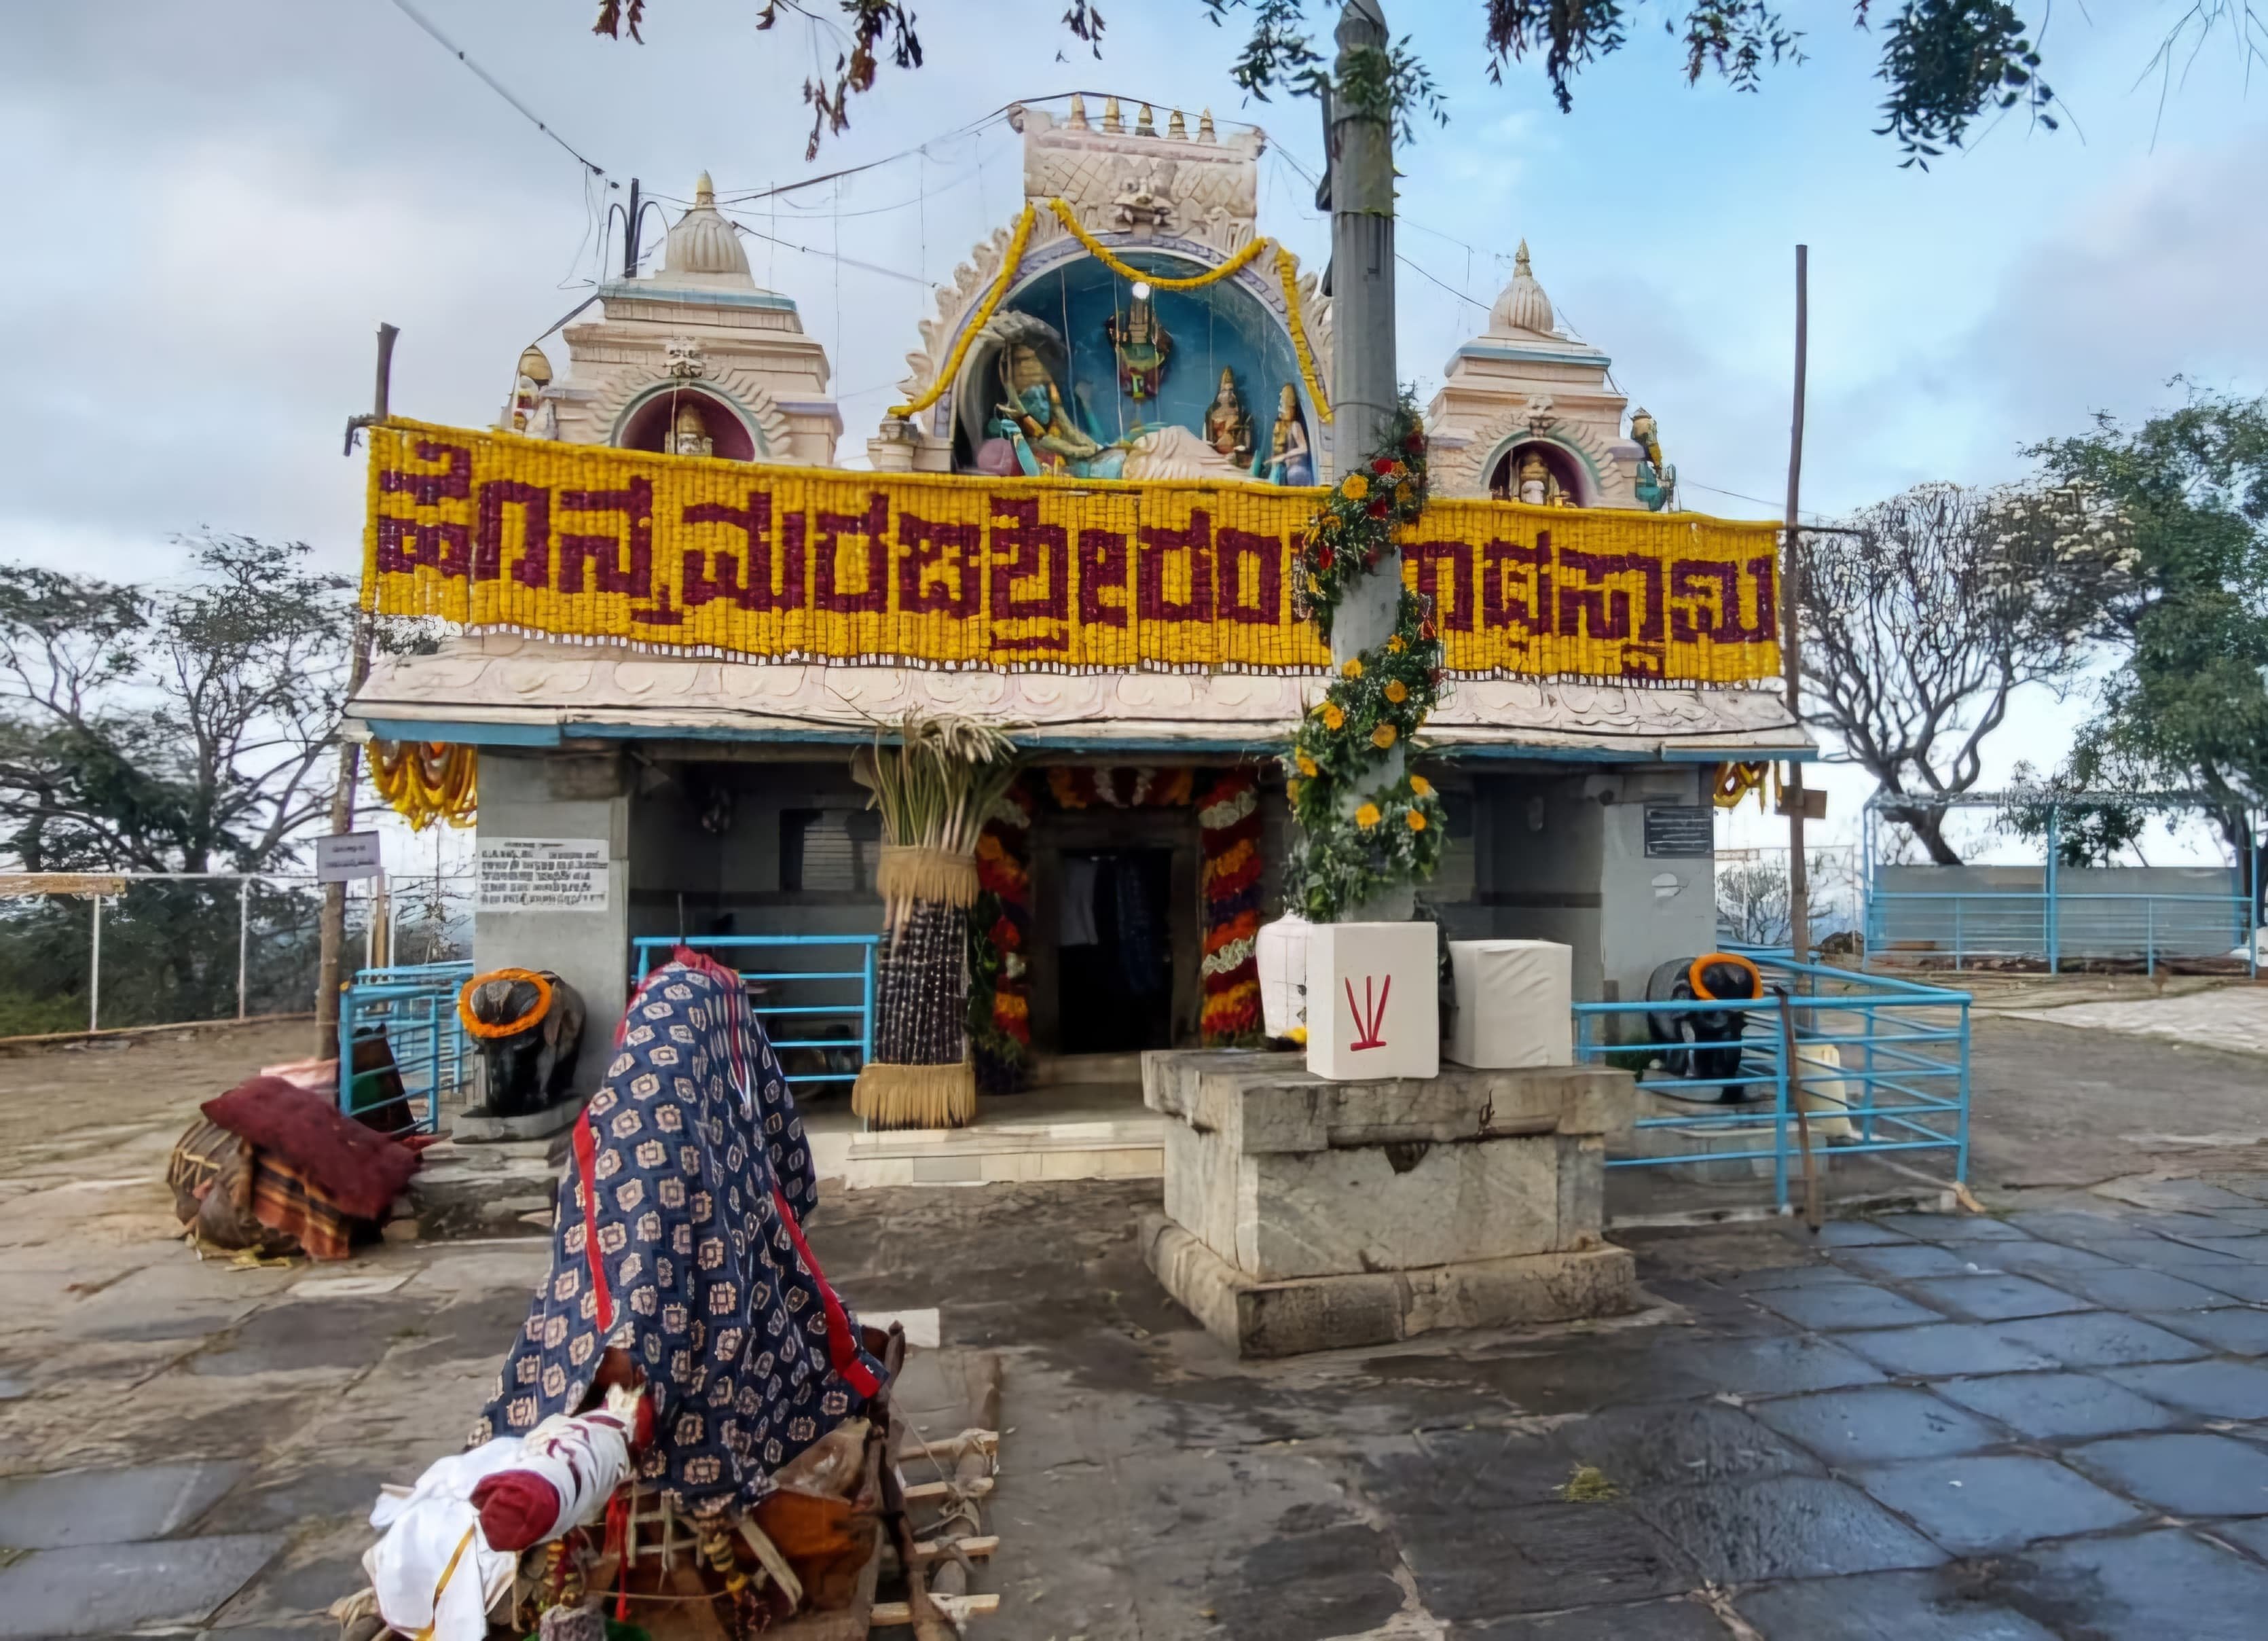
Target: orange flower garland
(474, 1026)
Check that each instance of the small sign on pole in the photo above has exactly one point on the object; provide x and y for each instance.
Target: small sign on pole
(346, 857)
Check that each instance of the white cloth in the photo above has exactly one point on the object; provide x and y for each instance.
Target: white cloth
(584, 1459)
(1076, 928)
(409, 1568)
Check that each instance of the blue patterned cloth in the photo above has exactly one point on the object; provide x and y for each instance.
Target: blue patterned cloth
(678, 1239)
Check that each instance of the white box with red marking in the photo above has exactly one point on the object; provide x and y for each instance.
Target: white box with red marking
(1374, 1001)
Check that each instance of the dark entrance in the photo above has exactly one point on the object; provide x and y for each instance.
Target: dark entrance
(1115, 953)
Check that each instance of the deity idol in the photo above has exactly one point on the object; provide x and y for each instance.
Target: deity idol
(1291, 458)
(1030, 430)
(1032, 419)
(690, 434)
(1657, 480)
(1228, 429)
(1142, 346)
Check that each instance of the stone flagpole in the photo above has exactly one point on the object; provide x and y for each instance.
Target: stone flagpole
(1364, 388)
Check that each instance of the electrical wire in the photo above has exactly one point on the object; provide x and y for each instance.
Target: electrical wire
(834, 256)
(494, 84)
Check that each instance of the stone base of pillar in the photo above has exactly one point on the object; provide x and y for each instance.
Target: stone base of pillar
(1304, 1215)
(1304, 1313)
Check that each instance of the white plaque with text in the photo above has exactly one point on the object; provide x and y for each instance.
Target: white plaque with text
(542, 874)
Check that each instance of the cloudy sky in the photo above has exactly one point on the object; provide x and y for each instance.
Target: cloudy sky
(217, 204)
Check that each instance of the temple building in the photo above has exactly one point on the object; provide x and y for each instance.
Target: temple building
(1075, 526)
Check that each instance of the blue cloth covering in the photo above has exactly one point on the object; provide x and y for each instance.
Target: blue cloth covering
(690, 1171)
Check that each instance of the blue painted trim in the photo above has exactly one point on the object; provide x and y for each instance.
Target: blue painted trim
(1540, 356)
(464, 734)
(1743, 755)
(622, 291)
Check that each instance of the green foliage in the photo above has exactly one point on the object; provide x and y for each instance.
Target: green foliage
(1362, 836)
(169, 728)
(169, 952)
(1947, 61)
(2089, 832)
(2189, 707)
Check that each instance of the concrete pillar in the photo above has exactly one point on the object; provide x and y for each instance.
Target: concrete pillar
(558, 795)
(1364, 388)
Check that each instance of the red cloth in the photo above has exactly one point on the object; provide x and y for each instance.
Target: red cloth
(519, 1509)
(360, 1170)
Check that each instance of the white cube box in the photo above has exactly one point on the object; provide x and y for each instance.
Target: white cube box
(1515, 1003)
(1281, 950)
(1374, 1001)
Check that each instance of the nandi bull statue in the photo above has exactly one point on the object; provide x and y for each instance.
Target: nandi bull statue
(527, 1024)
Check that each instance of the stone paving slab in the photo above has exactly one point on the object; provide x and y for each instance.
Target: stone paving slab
(80, 1507)
(97, 1590)
(2228, 1018)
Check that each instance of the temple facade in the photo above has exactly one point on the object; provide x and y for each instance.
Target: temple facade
(1126, 382)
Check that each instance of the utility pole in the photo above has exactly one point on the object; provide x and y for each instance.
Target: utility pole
(1790, 632)
(630, 235)
(1364, 388)
(333, 926)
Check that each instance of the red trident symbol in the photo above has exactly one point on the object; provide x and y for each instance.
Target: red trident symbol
(1368, 1016)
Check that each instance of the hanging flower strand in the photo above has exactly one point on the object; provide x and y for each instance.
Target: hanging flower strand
(1392, 832)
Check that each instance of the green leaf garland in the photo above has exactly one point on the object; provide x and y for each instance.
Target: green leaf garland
(1364, 835)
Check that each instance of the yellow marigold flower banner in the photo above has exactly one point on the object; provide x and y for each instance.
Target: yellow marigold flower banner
(706, 556)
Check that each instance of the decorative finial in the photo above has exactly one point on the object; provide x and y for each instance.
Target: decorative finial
(1204, 128)
(1111, 121)
(1177, 128)
(1520, 259)
(704, 191)
(1146, 124)
(1077, 111)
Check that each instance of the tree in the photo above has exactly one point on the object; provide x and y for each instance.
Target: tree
(1945, 63)
(2188, 706)
(1926, 613)
(2091, 827)
(154, 728)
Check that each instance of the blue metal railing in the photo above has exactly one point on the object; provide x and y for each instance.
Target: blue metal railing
(413, 1009)
(1882, 1066)
(2046, 923)
(804, 999)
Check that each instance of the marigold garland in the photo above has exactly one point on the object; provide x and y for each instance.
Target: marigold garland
(1102, 253)
(1388, 834)
(1287, 271)
(427, 780)
(474, 1026)
(968, 332)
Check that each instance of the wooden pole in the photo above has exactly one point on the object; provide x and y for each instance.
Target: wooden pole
(1790, 630)
(331, 930)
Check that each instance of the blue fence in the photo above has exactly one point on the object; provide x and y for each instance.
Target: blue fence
(2055, 924)
(413, 1009)
(820, 1019)
(1882, 1066)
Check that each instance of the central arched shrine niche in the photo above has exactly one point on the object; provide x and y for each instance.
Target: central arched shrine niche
(1120, 373)
(686, 421)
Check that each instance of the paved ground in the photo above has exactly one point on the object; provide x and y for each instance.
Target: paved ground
(2046, 1424)
(2229, 1017)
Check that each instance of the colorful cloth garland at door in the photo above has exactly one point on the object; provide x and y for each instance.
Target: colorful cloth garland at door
(1229, 823)
(1000, 970)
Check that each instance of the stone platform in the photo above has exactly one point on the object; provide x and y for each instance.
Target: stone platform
(1302, 1214)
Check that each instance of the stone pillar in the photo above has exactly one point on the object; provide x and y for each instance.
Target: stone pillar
(1302, 1214)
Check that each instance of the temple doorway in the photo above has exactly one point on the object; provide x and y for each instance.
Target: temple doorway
(1115, 951)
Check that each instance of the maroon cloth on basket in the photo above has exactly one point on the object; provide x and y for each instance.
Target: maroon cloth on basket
(519, 1508)
(362, 1170)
